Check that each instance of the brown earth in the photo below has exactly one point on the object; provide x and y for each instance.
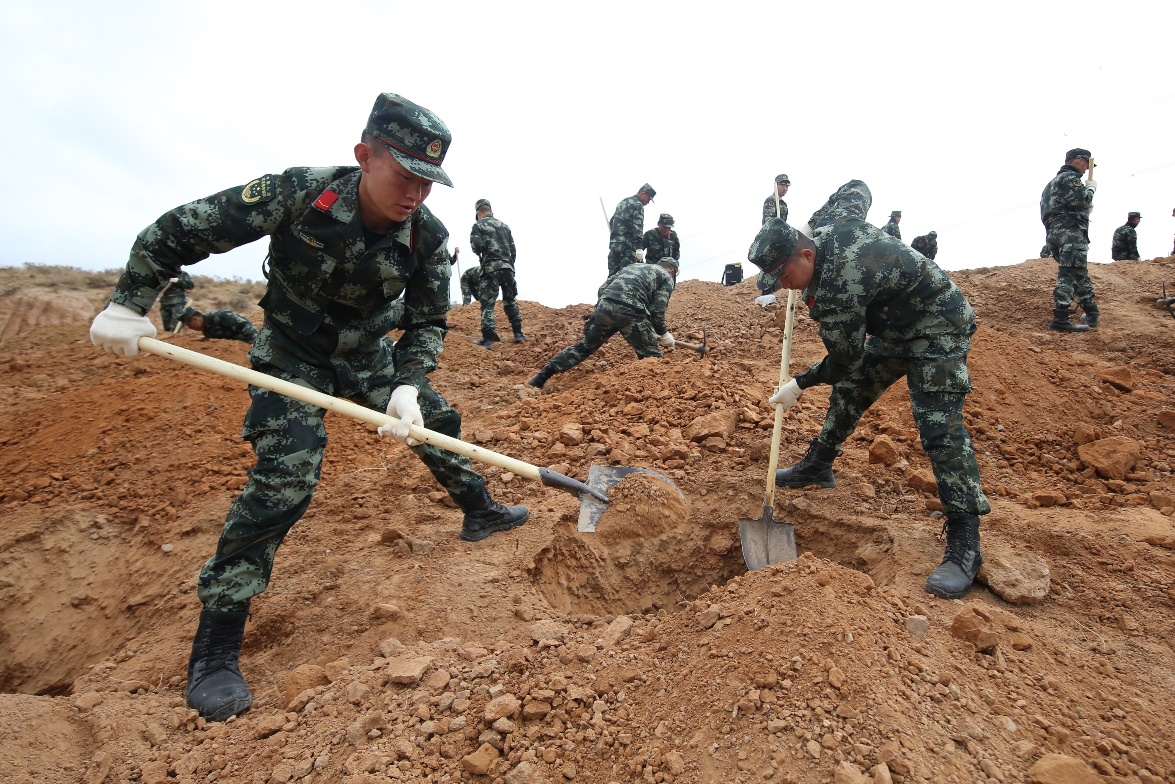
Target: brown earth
(387, 649)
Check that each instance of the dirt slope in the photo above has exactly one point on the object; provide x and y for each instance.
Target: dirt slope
(388, 649)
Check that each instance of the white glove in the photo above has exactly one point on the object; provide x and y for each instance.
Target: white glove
(118, 329)
(1091, 185)
(667, 340)
(787, 395)
(403, 406)
(806, 230)
(639, 254)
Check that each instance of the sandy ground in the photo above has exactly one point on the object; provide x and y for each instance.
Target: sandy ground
(387, 649)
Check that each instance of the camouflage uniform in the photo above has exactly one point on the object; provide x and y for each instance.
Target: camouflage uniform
(628, 223)
(328, 306)
(174, 300)
(226, 325)
(1064, 210)
(1125, 246)
(926, 245)
(1045, 252)
(891, 228)
(885, 312)
(493, 243)
(769, 209)
(658, 247)
(470, 280)
(633, 303)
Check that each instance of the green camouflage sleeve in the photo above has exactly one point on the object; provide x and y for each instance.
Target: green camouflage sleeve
(426, 301)
(478, 239)
(660, 304)
(1071, 193)
(851, 200)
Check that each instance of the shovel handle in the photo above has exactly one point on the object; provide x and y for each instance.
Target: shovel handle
(784, 374)
(339, 406)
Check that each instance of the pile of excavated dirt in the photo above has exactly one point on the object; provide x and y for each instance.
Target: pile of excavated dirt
(387, 649)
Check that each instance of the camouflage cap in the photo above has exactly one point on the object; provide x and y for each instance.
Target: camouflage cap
(647, 189)
(1078, 152)
(482, 203)
(416, 137)
(896, 214)
(1130, 215)
(932, 234)
(669, 261)
(769, 252)
(666, 219)
(782, 179)
(187, 313)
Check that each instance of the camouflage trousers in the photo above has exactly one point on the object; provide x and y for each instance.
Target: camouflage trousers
(170, 309)
(487, 295)
(1071, 250)
(288, 438)
(606, 321)
(938, 389)
(618, 260)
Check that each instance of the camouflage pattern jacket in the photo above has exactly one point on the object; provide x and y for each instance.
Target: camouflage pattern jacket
(926, 245)
(493, 243)
(175, 292)
(470, 280)
(658, 247)
(1065, 203)
(866, 283)
(628, 223)
(891, 229)
(769, 208)
(226, 325)
(640, 291)
(331, 284)
(1125, 247)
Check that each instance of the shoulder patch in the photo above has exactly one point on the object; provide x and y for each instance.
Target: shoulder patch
(327, 199)
(259, 190)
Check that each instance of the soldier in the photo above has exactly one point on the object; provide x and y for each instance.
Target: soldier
(470, 280)
(174, 299)
(1064, 210)
(345, 241)
(222, 324)
(662, 241)
(493, 243)
(633, 303)
(1125, 245)
(781, 185)
(891, 228)
(926, 244)
(628, 224)
(884, 312)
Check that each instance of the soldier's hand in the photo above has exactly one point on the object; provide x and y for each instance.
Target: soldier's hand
(787, 395)
(118, 329)
(667, 340)
(1091, 185)
(403, 406)
(639, 255)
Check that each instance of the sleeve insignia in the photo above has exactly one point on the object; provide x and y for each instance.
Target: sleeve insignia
(259, 190)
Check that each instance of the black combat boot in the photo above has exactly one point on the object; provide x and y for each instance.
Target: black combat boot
(540, 378)
(1061, 322)
(1090, 317)
(215, 686)
(484, 515)
(488, 336)
(518, 336)
(962, 560)
(814, 468)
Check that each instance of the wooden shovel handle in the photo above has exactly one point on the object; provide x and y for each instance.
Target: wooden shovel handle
(784, 375)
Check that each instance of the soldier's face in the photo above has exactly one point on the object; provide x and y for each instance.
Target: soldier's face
(781, 188)
(1081, 165)
(799, 270)
(387, 191)
(644, 197)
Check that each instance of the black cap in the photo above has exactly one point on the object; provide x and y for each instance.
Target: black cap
(187, 313)
(896, 214)
(416, 137)
(1078, 152)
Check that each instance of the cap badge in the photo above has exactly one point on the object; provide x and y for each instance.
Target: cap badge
(434, 149)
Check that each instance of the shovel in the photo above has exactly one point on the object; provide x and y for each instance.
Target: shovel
(594, 491)
(767, 541)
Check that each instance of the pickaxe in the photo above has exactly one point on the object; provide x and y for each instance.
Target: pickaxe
(702, 349)
(1169, 302)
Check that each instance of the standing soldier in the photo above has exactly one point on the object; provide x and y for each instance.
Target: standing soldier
(891, 228)
(493, 243)
(221, 324)
(926, 244)
(884, 312)
(1125, 246)
(1064, 211)
(632, 302)
(781, 185)
(470, 280)
(628, 224)
(662, 241)
(344, 242)
(174, 299)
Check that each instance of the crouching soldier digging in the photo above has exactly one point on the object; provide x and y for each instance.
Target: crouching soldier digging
(884, 312)
(632, 302)
(219, 324)
(345, 242)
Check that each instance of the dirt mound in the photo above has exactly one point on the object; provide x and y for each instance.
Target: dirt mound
(388, 649)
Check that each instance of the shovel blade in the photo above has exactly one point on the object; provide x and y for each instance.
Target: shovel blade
(602, 478)
(766, 542)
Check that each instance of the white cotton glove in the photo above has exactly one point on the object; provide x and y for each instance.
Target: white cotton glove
(667, 340)
(403, 406)
(1091, 185)
(639, 254)
(787, 395)
(118, 329)
(806, 230)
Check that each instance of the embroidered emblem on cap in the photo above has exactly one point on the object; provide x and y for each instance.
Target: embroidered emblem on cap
(259, 190)
(434, 149)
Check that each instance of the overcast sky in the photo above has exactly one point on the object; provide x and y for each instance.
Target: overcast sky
(117, 112)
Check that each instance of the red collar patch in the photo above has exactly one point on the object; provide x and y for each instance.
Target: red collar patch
(326, 200)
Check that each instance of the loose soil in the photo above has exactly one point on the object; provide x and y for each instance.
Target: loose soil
(387, 649)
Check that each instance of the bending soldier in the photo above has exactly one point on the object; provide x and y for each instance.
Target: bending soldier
(926, 244)
(220, 324)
